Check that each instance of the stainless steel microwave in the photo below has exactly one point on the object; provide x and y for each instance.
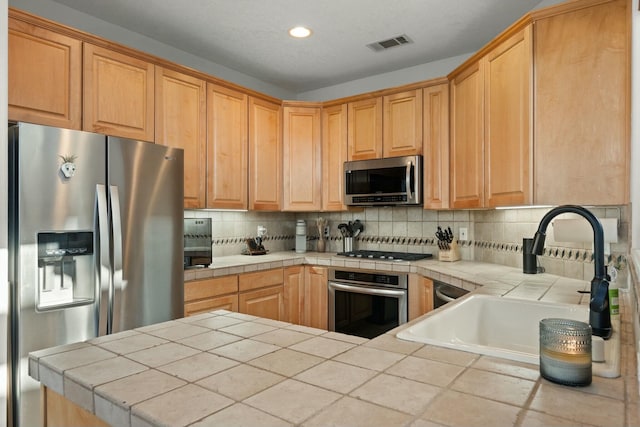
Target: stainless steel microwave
(383, 182)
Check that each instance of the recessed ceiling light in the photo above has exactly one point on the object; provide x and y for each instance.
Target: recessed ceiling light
(300, 32)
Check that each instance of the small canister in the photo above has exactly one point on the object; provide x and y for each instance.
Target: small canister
(301, 236)
(565, 351)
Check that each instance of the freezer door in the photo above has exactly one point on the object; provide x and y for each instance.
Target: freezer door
(146, 200)
(50, 208)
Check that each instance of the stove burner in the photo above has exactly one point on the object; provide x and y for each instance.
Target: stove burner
(391, 256)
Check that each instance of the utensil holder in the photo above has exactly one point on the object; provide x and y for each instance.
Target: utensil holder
(565, 351)
(347, 244)
(451, 254)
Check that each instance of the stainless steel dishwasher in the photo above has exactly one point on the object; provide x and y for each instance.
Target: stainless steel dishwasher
(445, 293)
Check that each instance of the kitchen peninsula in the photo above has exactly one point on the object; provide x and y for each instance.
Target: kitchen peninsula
(226, 368)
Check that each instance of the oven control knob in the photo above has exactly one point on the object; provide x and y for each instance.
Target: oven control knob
(390, 256)
(369, 256)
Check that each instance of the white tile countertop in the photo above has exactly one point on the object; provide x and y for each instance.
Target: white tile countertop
(224, 368)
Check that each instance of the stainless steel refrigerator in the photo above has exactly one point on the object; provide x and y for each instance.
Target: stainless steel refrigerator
(95, 243)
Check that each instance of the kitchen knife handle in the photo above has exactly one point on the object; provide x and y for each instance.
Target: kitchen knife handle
(104, 270)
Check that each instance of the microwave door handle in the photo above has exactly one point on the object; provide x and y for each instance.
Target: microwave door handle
(407, 178)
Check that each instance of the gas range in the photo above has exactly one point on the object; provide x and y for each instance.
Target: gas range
(382, 255)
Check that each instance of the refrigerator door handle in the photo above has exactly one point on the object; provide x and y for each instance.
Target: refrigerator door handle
(104, 263)
(118, 279)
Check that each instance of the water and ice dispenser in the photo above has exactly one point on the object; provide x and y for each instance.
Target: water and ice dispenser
(66, 270)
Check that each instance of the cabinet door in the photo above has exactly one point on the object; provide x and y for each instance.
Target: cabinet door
(266, 302)
(211, 294)
(334, 154)
(181, 122)
(57, 410)
(302, 162)
(118, 94)
(316, 296)
(226, 148)
(467, 174)
(420, 296)
(294, 294)
(436, 146)
(365, 129)
(265, 155)
(508, 134)
(582, 106)
(45, 76)
(402, 124)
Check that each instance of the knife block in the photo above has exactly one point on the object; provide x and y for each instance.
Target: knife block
(451, 254)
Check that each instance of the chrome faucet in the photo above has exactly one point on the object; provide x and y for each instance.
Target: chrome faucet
(599, 315)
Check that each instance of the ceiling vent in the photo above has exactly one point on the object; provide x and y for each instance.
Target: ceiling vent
(389, 43)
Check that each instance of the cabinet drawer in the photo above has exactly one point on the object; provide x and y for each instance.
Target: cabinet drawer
(227, 302)
(261, 279)
(207, 288)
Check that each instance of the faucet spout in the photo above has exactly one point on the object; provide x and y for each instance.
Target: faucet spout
(599, 315)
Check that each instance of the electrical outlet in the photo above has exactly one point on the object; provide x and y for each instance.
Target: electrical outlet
(326, 231)
(463, 234)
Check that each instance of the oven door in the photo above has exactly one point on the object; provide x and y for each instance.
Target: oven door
(365, 311)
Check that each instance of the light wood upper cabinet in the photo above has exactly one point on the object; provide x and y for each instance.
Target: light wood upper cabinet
(45, 76)
(118, 94)
(467, 138)
(402, 124)
(181, 122)
(316, 297)
(508, 141)
(334, 154)
(226, 148)
(365, 129)
(581, 129)
(302, 166)
(436, 146)
(265, 155)
(491, 139)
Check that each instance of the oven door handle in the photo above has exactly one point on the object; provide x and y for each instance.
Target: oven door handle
(367, 291)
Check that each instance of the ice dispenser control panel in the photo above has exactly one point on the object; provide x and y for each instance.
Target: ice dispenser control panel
(65, 269)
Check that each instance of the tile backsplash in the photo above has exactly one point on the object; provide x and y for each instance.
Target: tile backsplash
(494, 236)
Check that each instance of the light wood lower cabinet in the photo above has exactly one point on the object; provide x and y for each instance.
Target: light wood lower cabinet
(45, 76)
(59, 411)
(294, 293)
(316, 297)
(205, 295)
(420, 296)
(262, 294)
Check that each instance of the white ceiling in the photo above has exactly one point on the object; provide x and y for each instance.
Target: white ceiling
(250, 36)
